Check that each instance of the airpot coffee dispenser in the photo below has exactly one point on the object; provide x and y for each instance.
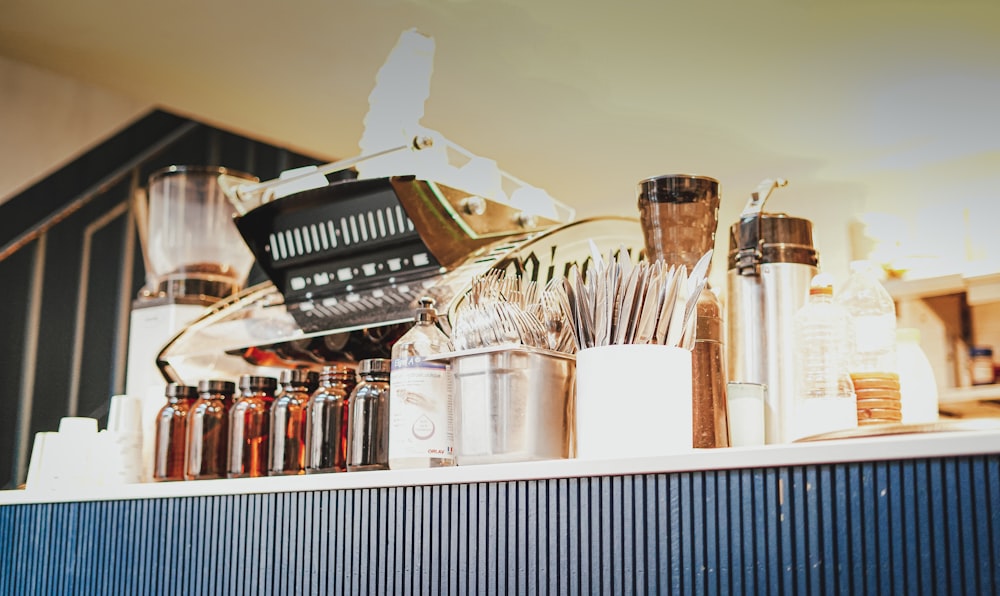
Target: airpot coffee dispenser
(771, 263)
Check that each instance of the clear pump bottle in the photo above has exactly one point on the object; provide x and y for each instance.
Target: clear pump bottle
(420, 402)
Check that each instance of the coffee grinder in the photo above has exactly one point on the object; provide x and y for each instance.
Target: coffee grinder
(194, 256)
(679, 215)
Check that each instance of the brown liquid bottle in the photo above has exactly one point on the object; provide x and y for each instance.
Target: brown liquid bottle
(249, 427)
(289, 422)
(326, 434)
(171, 433)
(208, 430)
(368, 425)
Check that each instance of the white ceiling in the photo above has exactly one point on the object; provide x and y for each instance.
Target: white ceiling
(886, 105)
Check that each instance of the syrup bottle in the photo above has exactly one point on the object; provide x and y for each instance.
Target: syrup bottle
(249, 427)
(289, 422)
(326, 435)
(171, 433)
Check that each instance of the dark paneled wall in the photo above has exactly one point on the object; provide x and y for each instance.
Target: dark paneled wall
(901, 527)
(70, 265)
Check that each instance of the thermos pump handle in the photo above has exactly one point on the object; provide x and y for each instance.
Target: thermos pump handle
(749, 255)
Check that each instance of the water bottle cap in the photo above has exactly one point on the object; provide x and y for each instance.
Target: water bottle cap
(821, 285)
(908, 334)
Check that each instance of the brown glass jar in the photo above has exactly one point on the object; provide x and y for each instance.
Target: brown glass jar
(368, 424)
(326, 434)
(208, 430)
(289, 422)
(171, 433)
(249, 427)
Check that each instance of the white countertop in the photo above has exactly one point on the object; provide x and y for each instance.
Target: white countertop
(909, 446)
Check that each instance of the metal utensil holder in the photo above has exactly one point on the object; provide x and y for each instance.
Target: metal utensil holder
(512, 403)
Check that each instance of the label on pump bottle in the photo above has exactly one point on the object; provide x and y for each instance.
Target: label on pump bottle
(420, 416)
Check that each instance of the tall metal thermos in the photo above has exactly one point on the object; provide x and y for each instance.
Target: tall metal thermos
(771, 263)
(679, 215)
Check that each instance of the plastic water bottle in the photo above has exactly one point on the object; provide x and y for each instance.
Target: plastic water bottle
(917, 385)
(873, 365)
(825, 399)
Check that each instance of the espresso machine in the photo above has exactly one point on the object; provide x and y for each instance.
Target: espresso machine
(772, 261)
(348, 261)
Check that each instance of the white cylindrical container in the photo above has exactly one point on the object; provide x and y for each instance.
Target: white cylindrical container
(745, 403)
(633, 401)
(917, 385)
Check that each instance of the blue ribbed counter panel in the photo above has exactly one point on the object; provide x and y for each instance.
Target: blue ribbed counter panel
(905, 527)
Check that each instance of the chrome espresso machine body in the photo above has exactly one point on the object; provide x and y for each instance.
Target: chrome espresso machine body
(348, 262)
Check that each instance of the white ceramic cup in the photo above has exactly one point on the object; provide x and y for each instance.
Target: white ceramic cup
(633, 401)
(745, 404)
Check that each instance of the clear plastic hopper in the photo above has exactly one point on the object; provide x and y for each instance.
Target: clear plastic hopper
(192, 247)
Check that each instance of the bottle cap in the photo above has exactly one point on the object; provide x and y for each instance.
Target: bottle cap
(216, 386)
(181, 391)
(822, 284)
(425, 310)
(980, 351)
(910, 334)
(254, 383)
(374, 365)
(299, 376)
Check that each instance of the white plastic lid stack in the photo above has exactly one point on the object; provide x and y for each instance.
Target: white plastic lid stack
(917, 384)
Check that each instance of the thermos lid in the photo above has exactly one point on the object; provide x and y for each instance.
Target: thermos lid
(783, 239)
(181, 391)
(254, 383)
(374, 365)
(216, 386)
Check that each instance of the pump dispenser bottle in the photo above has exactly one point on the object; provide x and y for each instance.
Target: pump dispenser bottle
(420, 406)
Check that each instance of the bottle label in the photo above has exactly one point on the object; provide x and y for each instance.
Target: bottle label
(420, 409)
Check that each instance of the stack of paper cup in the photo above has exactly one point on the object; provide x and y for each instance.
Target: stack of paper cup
(122, 442)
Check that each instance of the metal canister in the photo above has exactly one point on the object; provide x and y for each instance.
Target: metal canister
(771, 262)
